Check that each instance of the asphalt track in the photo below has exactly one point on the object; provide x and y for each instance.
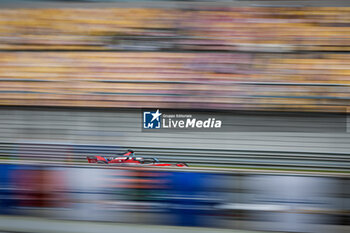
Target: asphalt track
(40, 225)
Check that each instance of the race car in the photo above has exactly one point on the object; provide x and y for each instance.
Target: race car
(128, 159)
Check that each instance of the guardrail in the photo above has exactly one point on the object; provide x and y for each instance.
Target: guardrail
(72, 153)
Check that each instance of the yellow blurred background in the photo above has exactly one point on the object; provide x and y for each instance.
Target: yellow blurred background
(270, 58)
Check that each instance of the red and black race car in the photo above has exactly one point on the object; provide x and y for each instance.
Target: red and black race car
(128, 159)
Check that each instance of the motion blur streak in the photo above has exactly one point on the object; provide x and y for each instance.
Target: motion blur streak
(210, 57)
(75, 77)
(275, 202)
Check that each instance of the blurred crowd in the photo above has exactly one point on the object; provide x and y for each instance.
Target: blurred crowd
(214, 58)
(270, 202)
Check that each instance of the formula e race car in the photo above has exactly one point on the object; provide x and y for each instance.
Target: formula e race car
(128, 159)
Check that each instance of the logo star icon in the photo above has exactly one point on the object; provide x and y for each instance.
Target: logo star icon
(156, 115)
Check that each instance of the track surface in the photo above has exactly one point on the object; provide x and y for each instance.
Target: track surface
(38, 225)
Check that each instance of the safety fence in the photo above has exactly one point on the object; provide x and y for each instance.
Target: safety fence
(76, 153)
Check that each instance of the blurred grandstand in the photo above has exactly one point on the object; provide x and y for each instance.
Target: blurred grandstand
(213, 58)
